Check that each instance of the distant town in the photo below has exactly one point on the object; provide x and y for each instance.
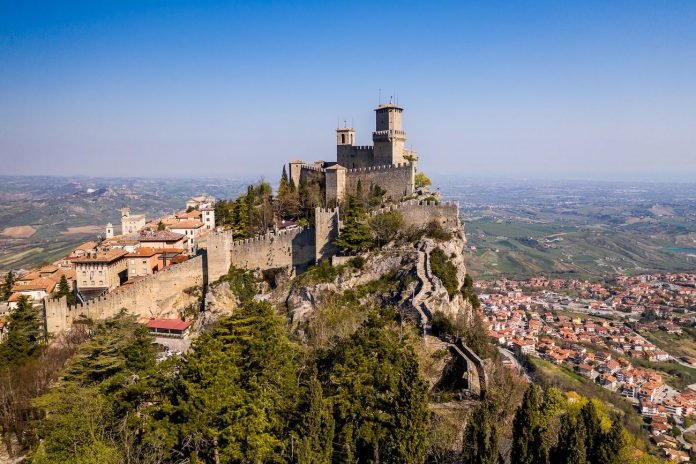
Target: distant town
(625, 335)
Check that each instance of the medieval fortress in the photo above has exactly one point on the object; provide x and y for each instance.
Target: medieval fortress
(387, 165)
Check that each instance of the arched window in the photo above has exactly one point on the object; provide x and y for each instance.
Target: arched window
(343, 138)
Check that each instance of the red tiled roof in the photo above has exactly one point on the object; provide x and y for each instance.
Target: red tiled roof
(168, 324)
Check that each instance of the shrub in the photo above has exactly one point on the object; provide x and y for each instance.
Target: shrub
(445, 271)
(357, 263)
(441, 325)
(386, 226)
(435, 230)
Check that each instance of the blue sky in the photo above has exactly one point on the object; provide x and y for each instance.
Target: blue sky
(517, 89)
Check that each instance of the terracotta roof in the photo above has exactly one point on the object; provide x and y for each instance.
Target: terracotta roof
(191, 215)
(144, 252)
(159, 236)
(43, 283)
(187, 225)
(87, 246)
(168, 324)
(103, 257)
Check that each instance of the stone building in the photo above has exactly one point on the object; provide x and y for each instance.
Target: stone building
(101, 270)
(387, 163)
(131, 224)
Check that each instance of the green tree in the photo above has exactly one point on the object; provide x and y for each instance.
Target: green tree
(355, 235)
(594, 436)
(390, 422)
(65, 290)
(162, 226)
(236, 392)
(525, 427)
(571, 448)
(481, 435)
(6, 287)
(612, 448)
(386, 226)
(316, 432)
(25, 336)
(422, 181)
(92, 415)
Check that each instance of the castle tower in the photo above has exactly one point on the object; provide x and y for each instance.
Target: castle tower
(389, 136)
(125, 212)
(109, 231)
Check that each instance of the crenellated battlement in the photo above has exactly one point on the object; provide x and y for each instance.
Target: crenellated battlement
(419, 203)
(418, 213)
(267, 237)
(385, 167)
(312, 167)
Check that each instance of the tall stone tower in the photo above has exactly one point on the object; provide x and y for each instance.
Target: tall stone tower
(389, 136)
(109, 231)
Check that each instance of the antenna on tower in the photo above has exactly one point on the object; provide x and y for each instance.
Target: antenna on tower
(380, 95)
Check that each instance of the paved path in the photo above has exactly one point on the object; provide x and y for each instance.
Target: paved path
(509, 355)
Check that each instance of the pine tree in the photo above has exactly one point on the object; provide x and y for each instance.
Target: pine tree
(594, 436)
(481, 436)
(525, 426)
(25, 335)
(355, 235)
(317, 428)
(571, 447)
(284, 187)
(6, 287)
(65, 290)
(613, 445)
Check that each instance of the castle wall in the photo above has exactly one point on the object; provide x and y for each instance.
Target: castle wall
(291, 248)
(351, 156)
(397, 180)
(149, 297)
(419, 213)
(325, 232)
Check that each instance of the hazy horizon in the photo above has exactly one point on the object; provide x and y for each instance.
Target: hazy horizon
(591, 91)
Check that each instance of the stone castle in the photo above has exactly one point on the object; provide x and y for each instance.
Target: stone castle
(388, 164)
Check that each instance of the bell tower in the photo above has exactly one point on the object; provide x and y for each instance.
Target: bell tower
(389, 136)
(345, 135)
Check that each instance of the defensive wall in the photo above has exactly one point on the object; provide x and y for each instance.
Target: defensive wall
(296, 248)
(397, 179)
(419, 213)
(283, 248)
(150, 296)
(354, 156)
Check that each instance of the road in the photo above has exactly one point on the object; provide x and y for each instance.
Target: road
(508, 354)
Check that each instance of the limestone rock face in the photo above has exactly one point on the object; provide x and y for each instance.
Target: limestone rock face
(409, 260)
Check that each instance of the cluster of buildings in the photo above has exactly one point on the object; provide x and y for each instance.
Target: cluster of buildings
(582, 326)
(139, 249)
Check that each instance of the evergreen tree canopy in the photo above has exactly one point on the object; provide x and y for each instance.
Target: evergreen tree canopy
(25, 335)
(389, 422)
(355, 235)
(481, 435)
(236, 392)
(6, 287)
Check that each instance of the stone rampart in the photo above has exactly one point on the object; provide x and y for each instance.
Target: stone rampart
(279, 249)
(419, 213)
(150, 297)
